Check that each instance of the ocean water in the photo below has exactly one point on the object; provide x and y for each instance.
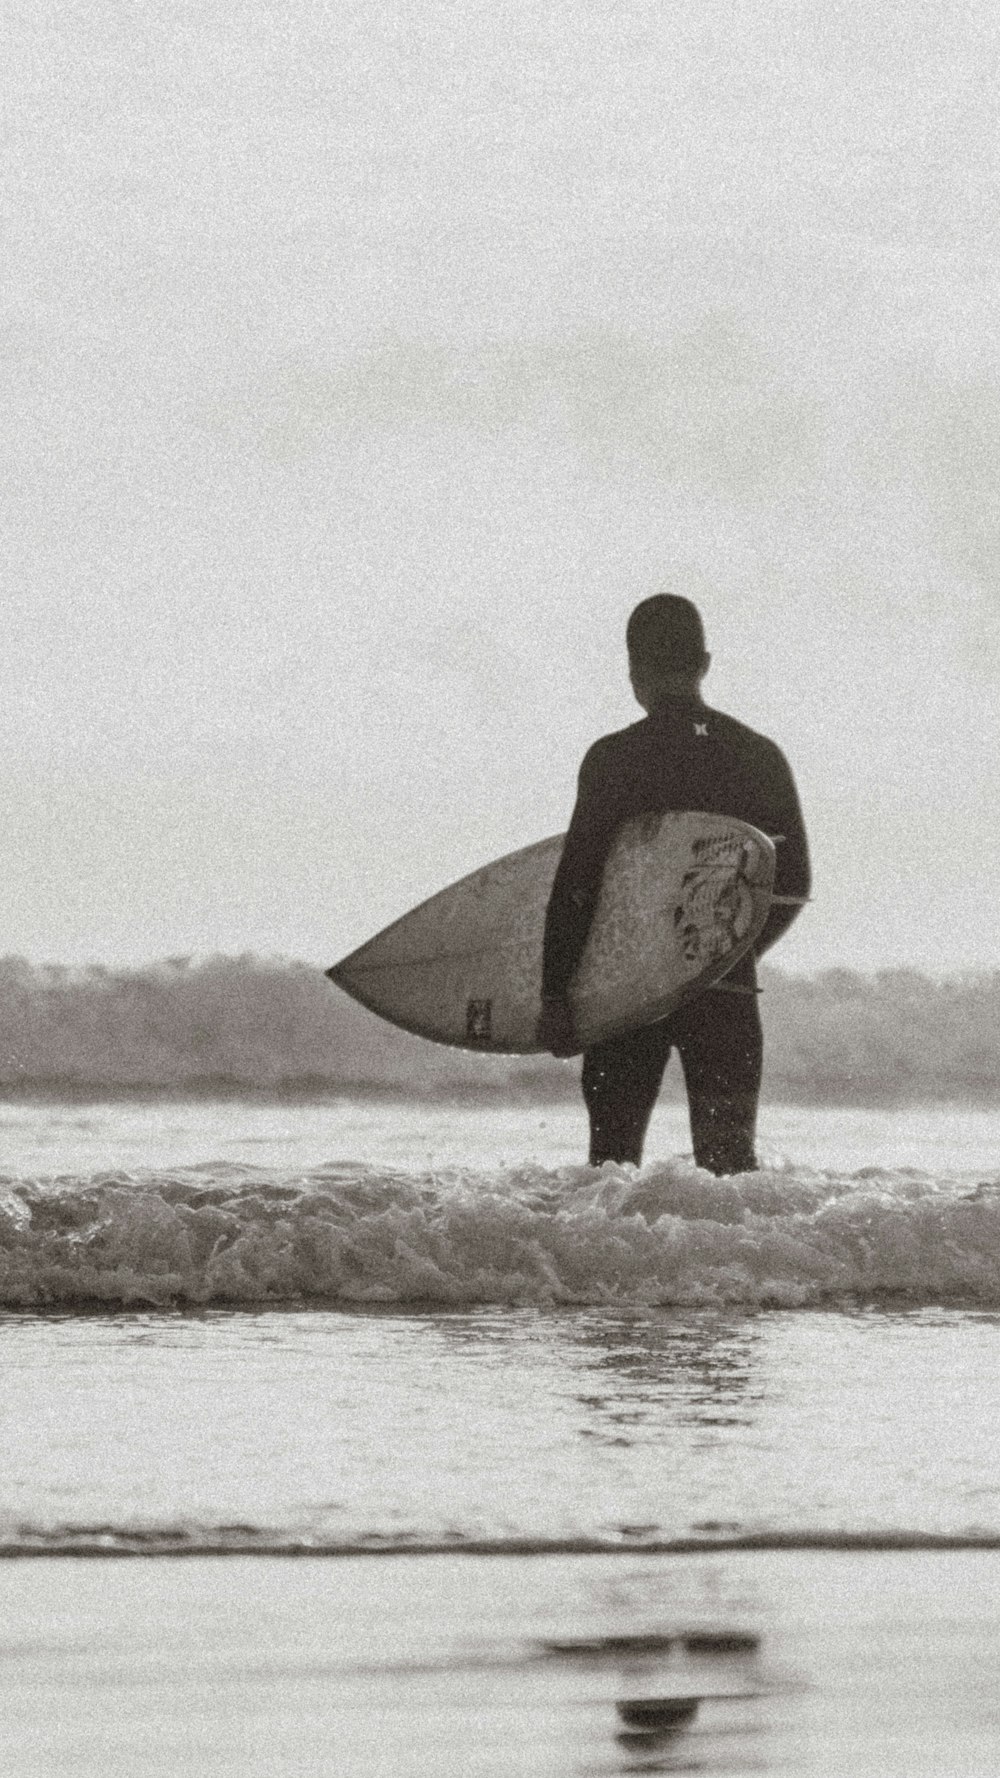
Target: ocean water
(382, 1437)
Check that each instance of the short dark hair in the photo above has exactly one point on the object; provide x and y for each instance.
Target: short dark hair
(666, 634)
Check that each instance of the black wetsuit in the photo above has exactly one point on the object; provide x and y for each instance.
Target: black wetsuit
(682, 756)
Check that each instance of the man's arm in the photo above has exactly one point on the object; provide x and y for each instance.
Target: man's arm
(792, 875)
(572, 901)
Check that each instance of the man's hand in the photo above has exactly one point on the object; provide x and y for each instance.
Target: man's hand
(554, 1030)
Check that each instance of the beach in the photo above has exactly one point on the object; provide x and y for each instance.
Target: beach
(368, 366)
(362, 1438)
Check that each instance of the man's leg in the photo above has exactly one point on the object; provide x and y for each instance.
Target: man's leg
(621, 1080)
(719, 1041)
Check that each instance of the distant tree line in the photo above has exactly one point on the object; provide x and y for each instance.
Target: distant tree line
(248, 1025)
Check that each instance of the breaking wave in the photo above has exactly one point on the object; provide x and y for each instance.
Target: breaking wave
(349, 1234)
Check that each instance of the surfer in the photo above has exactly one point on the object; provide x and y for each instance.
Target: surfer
(681, 755)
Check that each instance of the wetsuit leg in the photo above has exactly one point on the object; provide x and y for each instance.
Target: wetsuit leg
(621, 1080)
(718, 1038)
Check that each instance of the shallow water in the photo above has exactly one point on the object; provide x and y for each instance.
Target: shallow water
(364, 1331)
(344, 1429)
(46, 1137)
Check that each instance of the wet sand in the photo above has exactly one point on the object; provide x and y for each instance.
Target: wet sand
(872, 1664)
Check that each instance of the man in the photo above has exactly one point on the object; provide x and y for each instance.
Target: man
(683, 755)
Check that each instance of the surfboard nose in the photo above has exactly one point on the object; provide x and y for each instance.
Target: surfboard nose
(344, 976)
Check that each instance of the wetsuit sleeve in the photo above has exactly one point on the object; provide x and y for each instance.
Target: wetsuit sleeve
(792, 874)
(577, 882)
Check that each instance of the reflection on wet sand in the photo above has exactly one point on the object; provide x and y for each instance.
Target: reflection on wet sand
(695, 1679)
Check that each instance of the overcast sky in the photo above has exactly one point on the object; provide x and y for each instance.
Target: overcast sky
(365, 364)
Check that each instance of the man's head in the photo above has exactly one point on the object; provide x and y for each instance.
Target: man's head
(666, 649)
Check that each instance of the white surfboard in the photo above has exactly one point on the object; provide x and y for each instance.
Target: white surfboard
(682, 899)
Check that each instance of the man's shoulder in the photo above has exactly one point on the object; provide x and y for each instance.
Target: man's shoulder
(647, 731)
(610, 747)
(740, 734)
(642, 743)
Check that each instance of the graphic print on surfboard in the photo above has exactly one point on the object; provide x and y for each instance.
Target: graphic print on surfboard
(682, 899)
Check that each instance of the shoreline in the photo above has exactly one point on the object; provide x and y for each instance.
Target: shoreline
(514, 1095)
(156, 1546)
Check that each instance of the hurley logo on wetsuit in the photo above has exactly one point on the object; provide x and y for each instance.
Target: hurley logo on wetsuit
(701, 728)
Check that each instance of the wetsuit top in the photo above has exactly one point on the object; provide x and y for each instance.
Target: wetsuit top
(682, 756)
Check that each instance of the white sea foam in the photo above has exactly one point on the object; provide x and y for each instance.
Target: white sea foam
(354, 1234)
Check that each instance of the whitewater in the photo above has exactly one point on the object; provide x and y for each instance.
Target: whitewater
(352, 1233)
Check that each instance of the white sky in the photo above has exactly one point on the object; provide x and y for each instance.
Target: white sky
(366, 363)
